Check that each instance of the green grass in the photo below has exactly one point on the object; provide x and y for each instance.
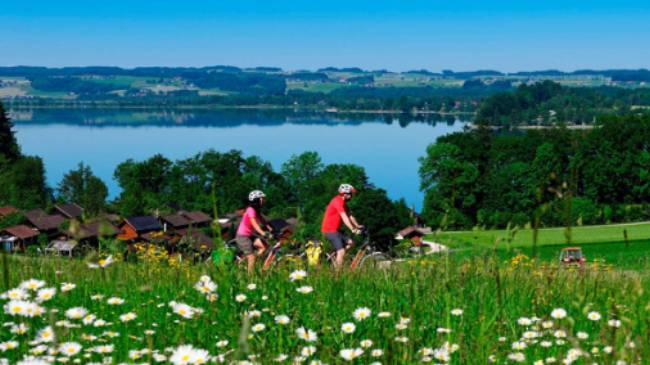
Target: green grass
(551, 236)
(604, 242)
(493, 297)
(315, 87)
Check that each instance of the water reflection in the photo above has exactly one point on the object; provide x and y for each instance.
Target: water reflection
(387, 146)
(219, 118)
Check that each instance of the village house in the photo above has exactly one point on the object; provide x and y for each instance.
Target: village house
(70, 211)
(135, 227)
(174, 221)
(197, 218)
(45, 223)
(17, 238)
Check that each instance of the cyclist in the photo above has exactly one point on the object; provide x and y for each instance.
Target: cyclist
(336, 213)
(250, 233)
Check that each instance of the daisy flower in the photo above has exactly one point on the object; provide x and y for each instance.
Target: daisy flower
(362, 313)
(348, 327)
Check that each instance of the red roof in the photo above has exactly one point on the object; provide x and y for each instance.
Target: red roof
(21, 232)
(5, 211)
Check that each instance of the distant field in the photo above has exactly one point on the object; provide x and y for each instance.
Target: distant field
(598, 242)
(551, 236)
(315, 87)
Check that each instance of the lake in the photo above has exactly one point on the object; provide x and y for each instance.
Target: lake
(387, 147)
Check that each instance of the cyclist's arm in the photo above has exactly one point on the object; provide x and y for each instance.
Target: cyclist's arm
(347, 221)
(354, 222)
(256, 227)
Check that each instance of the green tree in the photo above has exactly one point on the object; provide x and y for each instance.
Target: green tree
(83, 187)
(447, 177)
(383, 217)
(300, 171)
(8, 144)
(23, 183)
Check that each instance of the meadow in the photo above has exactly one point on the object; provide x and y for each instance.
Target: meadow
(442, 310)
(604, 243)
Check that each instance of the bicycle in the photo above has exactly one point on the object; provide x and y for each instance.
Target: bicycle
(368, 254)
(272, 251)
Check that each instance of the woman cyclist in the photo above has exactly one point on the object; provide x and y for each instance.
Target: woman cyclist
(250, 233)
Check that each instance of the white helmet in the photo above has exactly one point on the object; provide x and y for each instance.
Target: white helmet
(347, 189)
(256, 194)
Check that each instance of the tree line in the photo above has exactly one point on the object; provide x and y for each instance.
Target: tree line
(546, 177)
(549, 103)
(302, 187)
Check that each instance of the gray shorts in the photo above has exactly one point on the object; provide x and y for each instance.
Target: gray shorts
(245, 244)
(339, 241)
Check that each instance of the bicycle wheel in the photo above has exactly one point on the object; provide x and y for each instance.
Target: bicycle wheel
(375, 260)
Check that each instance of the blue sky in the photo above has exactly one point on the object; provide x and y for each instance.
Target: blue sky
(308, 34)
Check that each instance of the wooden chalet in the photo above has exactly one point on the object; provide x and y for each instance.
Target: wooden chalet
(70, 211)
(197, 218)
(45, 223)
(135, 227)
(17, 238)
(175, 221)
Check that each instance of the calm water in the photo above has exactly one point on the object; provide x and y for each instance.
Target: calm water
(386, 147)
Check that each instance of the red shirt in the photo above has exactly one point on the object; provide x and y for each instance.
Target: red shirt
(332, 219)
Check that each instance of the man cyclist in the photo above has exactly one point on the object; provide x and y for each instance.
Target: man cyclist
(250, 233)
(335, 213)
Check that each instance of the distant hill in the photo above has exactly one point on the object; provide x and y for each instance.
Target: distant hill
(328, 87)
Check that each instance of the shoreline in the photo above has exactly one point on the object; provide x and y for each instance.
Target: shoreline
(22, 106)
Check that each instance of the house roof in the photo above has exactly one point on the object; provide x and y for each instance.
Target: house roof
(70, 210)
(198, 238)
(176, 220)
(144, 223)
(21, 232)
(94, 229)
(6, 210)
(411, 231)
(197, 217)
(44, 222)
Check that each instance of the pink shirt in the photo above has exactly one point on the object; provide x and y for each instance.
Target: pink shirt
(246, 226)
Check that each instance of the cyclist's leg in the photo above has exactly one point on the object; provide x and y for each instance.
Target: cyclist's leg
(245, 245)
(336, 238)
(259, 246)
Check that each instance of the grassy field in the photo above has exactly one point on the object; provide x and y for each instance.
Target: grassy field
(606, 242)
(468, 312)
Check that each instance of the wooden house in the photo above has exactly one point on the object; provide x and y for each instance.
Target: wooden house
(70, 211)
(197, 218)
(17, 238)
(135, 227)
(45, 223)
(174, 222)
